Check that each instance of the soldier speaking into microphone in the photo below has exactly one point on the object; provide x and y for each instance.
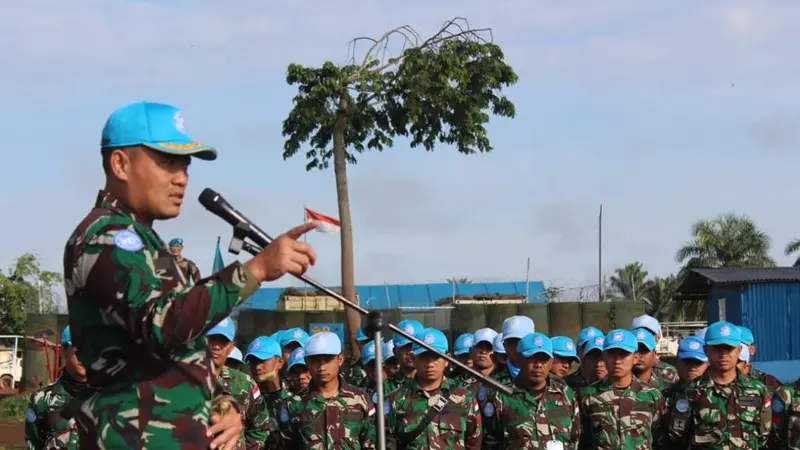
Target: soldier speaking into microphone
(139, 330)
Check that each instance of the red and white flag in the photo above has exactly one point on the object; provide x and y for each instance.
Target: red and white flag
(325, 224)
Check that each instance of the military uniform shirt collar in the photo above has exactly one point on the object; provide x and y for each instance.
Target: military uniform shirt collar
(606, 385)
(345, 390)
(444, 387)
(108, 201)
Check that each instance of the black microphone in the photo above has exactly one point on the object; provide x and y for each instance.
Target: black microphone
(218, 206)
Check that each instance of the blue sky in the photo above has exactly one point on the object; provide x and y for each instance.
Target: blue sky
(665, 112)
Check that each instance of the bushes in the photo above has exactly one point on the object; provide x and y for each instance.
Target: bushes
(12, 408)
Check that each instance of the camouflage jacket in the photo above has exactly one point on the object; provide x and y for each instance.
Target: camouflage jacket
(188, 268)
(398, 380)
(576, 381)
(666, 372)
(457, 426)
(769, 381)
(627, 419)
(344, 421)
(252, 407)
(658, 382)
(140, 332)
(371, 388)
(275, 402)
(786, 418)
(526, 421)
(715, 417)
(45, 429)
(356, 375)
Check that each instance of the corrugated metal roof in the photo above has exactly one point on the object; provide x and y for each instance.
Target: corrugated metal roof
(380, 296)
(725, 275)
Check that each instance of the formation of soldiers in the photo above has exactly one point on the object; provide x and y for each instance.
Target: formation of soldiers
(605, 391)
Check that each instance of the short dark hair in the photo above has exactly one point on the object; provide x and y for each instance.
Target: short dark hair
(106, 154)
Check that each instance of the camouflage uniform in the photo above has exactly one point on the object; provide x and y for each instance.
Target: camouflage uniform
(666, 372)
(398, 380)
(345, 421)
(769, 381)
(614, 419)
(275, 402)
(140, 332)
(658, 382)
(576, 381)
(255, 415)
(786, 418)
(370, 387)
(524, 420)
(188, 268)
(716, 417)
(356, 375)
(45, 429)
(456, 426)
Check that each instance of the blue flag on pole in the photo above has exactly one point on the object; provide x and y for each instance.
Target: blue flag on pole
(218, 263)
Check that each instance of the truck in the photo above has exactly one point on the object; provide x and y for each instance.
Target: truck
(10, 361)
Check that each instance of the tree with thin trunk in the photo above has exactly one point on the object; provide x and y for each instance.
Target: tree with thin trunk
(791, 248)
(440, 90)
(729, 240)
(630, 282)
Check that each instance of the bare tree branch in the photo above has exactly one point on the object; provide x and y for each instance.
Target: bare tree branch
(454, 29)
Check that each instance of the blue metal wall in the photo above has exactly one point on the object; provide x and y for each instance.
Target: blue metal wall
(381, 296)
(772, 312)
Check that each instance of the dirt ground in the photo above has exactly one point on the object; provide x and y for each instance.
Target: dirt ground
(12, 435)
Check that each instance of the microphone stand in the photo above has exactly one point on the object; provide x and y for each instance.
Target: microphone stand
(245, 229)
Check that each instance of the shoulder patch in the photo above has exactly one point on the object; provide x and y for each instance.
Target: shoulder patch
(375, 397)
(30, 415)
(284, 418)
(682, 406)
(255, 392)
(387, 406)
(128, 240)
(777, 405)
(483, 393)
(488, 410)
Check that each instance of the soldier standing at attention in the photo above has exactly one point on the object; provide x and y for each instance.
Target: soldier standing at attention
(645, 363)
(187, 266)
(514, 329)
(692, 364)
(404, 352)
(390, 365)
(723, 409)
(620, 412)
(368, 364)
(239, 385)
(289, 340)
(138, 329)
(770, 381)
(542, 413)
(331, 414)
(483, 361)
(661, 369)
(786, 418)
(499, 356)
(265, 361)
(297, 370)
(429, 411)
(564, 355)
(44, 426)
(592, 367)
(461, 351)
(236, 360)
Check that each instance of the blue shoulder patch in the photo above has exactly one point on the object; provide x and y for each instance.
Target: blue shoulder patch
(482, 393)
(387, 406)
(682, 405)
(488, 410)
(128, 240)
(284, 415)
(777, 405)
(375, 398)
(30, 415)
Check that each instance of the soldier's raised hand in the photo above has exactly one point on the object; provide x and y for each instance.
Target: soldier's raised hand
(286, 254)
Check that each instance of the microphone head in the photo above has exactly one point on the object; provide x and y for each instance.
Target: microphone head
(210, 198)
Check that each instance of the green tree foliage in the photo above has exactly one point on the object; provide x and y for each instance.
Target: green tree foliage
(728, 240)
(440, 90)
(630, 282)
(459, 281)
(791, 248)
(25, 288)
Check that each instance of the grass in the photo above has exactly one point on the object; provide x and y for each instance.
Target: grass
(12, 408)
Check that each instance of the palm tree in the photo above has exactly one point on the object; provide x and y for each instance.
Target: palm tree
(630, 282)
(459, 280)
(728, 240)
(660, 295)
(793, 247)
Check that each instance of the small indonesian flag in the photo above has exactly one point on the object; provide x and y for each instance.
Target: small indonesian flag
(325, 224)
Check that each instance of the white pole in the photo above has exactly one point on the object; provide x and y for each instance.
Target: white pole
(527, 282)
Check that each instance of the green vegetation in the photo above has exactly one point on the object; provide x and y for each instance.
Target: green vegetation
(440, 90)
(12, 408)
(26, 288)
